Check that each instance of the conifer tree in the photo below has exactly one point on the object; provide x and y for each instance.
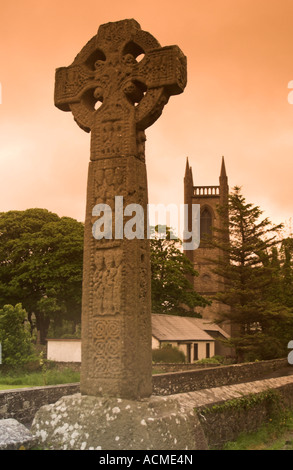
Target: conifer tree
(287, 272)
(249, 272)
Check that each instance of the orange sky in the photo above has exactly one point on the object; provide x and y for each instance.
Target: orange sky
(240, 61)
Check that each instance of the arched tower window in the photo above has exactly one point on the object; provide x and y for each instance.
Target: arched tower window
(206, 221)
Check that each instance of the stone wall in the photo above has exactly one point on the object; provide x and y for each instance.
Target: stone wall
(160, 367)
(22, 404)
(226, 412)
(164, 368)
(187, 381)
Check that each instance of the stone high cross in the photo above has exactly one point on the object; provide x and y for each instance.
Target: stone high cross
(116, 96)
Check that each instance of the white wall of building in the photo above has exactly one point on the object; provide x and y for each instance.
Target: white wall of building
(201, 348)
(155, 343)
(64, 350)
(69, 350)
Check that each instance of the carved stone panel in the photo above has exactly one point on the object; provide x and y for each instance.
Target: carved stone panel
(116, 341)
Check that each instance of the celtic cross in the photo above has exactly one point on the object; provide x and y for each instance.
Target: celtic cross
(115, 88)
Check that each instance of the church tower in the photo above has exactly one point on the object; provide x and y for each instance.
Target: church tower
(209, 198)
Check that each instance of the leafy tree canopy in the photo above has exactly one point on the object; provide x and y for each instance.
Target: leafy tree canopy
(172, 274)
(41, 265)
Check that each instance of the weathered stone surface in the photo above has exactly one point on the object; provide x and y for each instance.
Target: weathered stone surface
(116, 96)
(23, 403)
(216, 395)
(188, 381)
(84, 422)
(14, 435)
(246, 414)
(133, 93)
(116, 320)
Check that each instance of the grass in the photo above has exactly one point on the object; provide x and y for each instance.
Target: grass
(17, 379)
(275, 435)
(53, 376)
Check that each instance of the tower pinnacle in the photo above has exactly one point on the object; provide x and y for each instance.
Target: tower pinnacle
(223, 169)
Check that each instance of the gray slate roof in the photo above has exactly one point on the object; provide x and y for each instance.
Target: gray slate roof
(176, 328)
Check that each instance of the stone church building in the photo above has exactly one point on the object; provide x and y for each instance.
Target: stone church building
(209, 198)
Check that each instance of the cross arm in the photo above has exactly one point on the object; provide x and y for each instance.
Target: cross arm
(164, 67)
(164, 72)
(70, 84)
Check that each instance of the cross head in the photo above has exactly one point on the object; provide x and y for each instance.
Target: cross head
(117, 86)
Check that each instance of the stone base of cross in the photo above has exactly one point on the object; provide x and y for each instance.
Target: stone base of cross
(83, 422)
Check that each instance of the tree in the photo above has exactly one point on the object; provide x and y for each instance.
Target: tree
(287, 272)
(41, 265)
(15, 337)
(172, 289)
(249, 271)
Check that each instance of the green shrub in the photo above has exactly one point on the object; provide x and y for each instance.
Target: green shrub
(212, 360)
(168, 354)
(15, 336)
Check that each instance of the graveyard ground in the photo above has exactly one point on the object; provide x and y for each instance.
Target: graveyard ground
(276, 435)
